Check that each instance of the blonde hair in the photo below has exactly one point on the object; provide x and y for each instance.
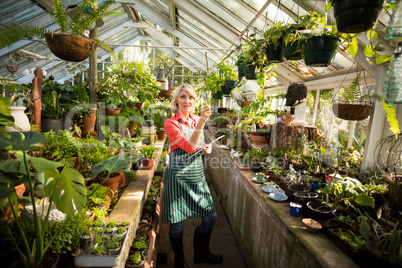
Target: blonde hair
(173, 106)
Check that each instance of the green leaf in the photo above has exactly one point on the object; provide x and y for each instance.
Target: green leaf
(67, 188)
(365, 229)
(21, 141)
(383, 59)
(371, 35)
(40, 163)
(390, 114)
(394, 241)
(111, 165)
(328, 6)
(352, 47)
(380, 47)
(364, 200)
(369, 51)
(5, 192)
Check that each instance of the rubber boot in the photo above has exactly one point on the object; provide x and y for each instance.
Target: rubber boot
(177, 246)
(201, 249)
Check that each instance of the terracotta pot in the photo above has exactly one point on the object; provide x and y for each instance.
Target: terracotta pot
(124, 180)
(138, 106)
(161, 134)
(87, 124)
(259, 140)
(165, 93)
(19, 189)
(112, 111)
(113, 181)
(286, 118)
(145, 229)
(148, 164)
(131, 128)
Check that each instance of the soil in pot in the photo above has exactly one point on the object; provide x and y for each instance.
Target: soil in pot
(318, 210)
(303, 197)
(295, 187)
(145, 229)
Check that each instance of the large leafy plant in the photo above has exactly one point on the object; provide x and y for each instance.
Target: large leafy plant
(65, 189)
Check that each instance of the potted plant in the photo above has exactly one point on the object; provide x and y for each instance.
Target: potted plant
(357, 16)
(135, 260)
(134, 118)
(67, 185)
(67, 45)
(113, 247)
(274, 42)
(322, 41)
(283, 117)
(148, 153)
(228, 75)
(292, 42)
(14, 92)
(159, 120)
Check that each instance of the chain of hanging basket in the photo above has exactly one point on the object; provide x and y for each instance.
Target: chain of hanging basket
(356, 109)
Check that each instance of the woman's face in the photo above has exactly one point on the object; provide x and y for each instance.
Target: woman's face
(185, 102)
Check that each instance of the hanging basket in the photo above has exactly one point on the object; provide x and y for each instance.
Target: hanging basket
(290, 51)
(274, 53)
(250, 72)
(353, 111)
(356, 16)
(241, 70)
(320, 51)
(70, 47)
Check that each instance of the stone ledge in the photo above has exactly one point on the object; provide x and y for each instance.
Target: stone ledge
(266, 233)
(130, 205)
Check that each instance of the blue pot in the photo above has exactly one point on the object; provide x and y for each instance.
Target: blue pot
(315, 185)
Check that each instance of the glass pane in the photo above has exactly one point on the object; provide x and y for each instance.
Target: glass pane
(217, 11)
(202, 29)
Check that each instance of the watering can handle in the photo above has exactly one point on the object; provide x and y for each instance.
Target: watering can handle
(169, 71)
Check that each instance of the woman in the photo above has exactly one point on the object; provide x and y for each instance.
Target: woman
(186, 194)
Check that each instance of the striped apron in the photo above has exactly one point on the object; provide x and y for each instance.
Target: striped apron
(186, 194)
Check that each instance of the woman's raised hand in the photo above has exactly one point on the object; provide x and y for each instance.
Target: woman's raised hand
(206, 111)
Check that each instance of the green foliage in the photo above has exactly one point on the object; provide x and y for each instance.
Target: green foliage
(17, 32)
(391, 117)
(226, 71)
(136, 258)
(148, 151)
(139, 245)
(96, 196)
(120, 230)
(111, 224)
(352, 93)
(65, 189)
(159, 120)
(98, 250)
(61, 148)
(131, 175)
(113, 245)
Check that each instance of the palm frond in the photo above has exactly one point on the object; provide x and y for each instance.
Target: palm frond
(15, 33)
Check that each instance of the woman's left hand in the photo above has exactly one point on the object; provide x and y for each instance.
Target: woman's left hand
(207, 149)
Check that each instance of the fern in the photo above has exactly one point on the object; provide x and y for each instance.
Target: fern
(391, 117)
(352, 93)
(103, 45)
(60, 15)
(16, 33)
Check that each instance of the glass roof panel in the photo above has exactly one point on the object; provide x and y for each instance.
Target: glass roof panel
(217, 11)
(202, 28)
(241, 12)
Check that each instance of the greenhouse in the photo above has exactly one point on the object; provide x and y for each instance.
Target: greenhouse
(195, 133)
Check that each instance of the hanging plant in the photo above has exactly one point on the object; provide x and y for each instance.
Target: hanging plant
(67, 45)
